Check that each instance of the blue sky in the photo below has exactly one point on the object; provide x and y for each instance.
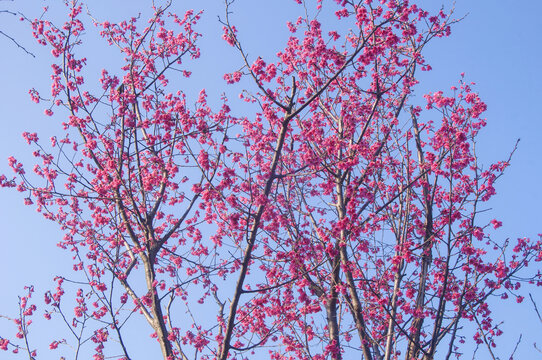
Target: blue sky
(497, 45)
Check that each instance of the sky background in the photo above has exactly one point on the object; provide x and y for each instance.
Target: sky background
(498, 45)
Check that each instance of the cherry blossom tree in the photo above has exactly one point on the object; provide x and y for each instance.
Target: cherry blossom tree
(336, 213)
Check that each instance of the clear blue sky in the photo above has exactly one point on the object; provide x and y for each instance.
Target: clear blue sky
(498, 45)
